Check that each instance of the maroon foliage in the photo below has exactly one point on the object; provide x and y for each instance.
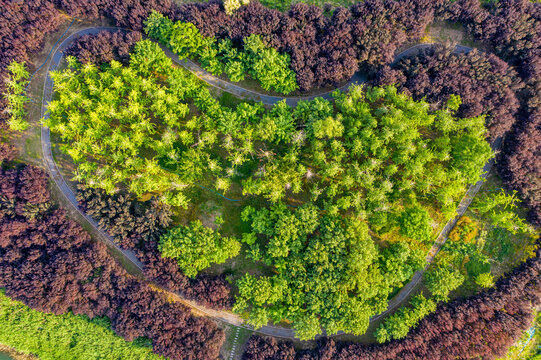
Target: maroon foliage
(324, 51)
(7, 152)
(49, 262)
(23, 25)
(126, 13)
(25, 185)
(512, 27)
(267, 349)
(521, 163)
(486, 84)
(104, 47)
(137, 226)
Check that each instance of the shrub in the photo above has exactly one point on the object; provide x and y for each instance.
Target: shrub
(196, 247)
(415, 223)
(104, 47)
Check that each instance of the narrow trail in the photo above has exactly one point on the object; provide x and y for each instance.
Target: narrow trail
(220, 315)
(235, 343)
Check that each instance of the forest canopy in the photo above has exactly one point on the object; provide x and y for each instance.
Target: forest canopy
(374, 160)
(274, 165)
(330, 273)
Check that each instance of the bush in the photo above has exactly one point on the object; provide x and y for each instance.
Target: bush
(15, 95)
(104, 47)
(415, 223)
(196, 247)
(441, 280)
(398, 325)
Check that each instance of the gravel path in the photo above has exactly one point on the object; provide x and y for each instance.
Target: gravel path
(238, 91)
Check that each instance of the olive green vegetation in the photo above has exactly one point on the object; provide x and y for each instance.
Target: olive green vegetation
(68, 336)
(492, 238)
(365, 173)
(398, 325)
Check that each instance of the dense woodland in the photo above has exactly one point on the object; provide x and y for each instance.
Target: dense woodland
(305, 32)
(325, 48)
(483, 326)
(390, 169)
(49, 263)
(104, 47)
(328, 49)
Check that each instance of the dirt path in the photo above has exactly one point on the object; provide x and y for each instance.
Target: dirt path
(226, 316)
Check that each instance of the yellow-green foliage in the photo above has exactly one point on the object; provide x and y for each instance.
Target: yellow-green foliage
(15, 95)
(231, 6)
(65, 336)
(466, 230)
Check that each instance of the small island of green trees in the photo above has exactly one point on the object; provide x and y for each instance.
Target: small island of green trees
(341, 199)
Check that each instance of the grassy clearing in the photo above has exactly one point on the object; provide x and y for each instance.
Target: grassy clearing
(446, 32)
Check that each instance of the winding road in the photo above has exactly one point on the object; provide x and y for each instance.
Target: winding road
(241, 92)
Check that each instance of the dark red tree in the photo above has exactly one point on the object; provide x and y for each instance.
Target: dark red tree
(137, 226)
(50, 263)
(486, 84)
(104, 47)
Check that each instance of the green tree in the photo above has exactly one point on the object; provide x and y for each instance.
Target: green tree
(268, 66)
(415, 223)
(398, 325)
(14, 93)
(441, 280)
(158, 27)
(235, 70)
(208, 55)
(185, 39)
(469, 154)
(148, 57)
(328, 127)
(196, 247)
(499, 207)
(485, 280)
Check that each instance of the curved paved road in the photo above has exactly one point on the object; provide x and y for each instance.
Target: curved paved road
(237, 90)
